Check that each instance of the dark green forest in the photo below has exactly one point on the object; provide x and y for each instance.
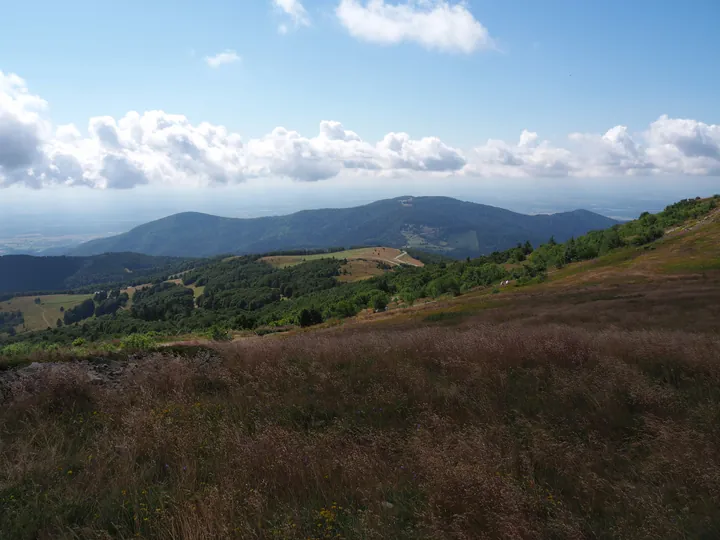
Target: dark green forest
(9, 320)
(448, 226)
(245, 293)
(25, 273)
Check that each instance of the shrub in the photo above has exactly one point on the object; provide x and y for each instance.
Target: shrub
(309, 317)
(138, 342)
(218, 333)
(379, 301)
(17, 349)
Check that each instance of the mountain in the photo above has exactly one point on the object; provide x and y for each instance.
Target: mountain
(437, 224)
(25, 273)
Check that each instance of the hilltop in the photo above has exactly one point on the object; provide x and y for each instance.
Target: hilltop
(437, 224)
(566, 390)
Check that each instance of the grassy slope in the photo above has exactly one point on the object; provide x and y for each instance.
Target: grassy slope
(689, 250)
(40, 316)
(391, 256)
(584, 407)
(362, 262)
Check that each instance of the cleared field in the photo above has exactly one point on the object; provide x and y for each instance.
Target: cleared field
(359, 269)
(131, 291)
(46, 313)
(391, 256)
(197, 291)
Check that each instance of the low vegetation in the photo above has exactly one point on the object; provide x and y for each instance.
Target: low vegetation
(582, 405)
(473, 432)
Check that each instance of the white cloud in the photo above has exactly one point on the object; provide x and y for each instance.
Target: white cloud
(435, 24)
(668, 146)
(22, 129)
(162, 149)
(287, 153)
(166, 149)
(294, 10)
(226, 57)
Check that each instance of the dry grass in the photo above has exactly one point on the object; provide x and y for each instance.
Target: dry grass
(391, 256)
(482, 431)
(691, 249)
(688, 303)
(359, 269)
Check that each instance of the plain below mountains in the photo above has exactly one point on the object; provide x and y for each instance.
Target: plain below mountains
(436, 224)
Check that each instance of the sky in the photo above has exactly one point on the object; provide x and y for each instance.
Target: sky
(256, 106)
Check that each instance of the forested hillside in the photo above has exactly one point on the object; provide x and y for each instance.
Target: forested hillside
(437, 224)
(25, 273)
(582, 406)
(245, 293)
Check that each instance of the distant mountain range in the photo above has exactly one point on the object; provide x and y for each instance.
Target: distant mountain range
(436, 224)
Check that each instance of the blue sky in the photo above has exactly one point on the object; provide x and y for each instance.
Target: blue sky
(607, 70)
(565, 66)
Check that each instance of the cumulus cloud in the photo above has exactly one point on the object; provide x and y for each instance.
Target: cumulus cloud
(22, 128)
(434, 24)
(294, 10)
(669, 146)
(287, 153)
(167, 149)
(158, 148)
(228, 56)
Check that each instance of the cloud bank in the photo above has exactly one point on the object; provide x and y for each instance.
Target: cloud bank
(434, 24)
(158, 148)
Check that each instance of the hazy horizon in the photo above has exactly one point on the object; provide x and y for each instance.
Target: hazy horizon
(68, 217)
(246, 109)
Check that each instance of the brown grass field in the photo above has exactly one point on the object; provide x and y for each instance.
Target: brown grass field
(362, 263)
(586, 407)
(359, 269)
(391, 256)
(477, 431)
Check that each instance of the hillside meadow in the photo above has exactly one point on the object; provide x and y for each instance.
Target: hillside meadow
(390, 256)
(46, 313)
(425, 431)
(584, 404)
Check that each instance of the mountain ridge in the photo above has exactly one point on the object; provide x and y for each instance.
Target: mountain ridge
(436, 224)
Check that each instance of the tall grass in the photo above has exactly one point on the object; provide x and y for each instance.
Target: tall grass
(481, 432)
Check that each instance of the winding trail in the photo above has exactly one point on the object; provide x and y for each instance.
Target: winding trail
(404, 262)
(44, 317)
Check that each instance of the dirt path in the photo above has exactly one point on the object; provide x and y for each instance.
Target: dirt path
(405, 262)
(44, 317)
